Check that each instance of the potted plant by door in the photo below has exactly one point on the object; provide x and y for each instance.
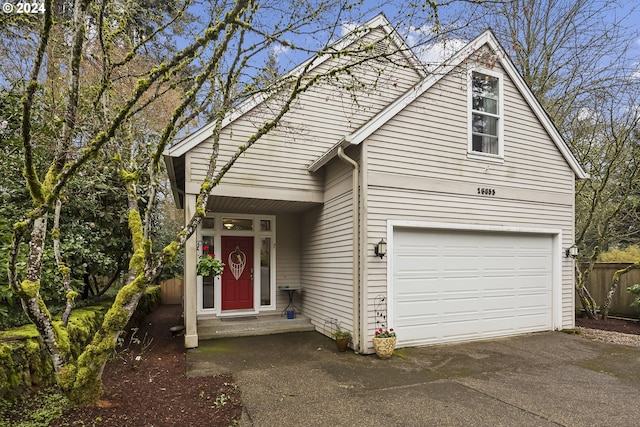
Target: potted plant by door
(384, 342)
(342, 339)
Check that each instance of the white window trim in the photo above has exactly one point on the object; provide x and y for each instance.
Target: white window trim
(475, 155)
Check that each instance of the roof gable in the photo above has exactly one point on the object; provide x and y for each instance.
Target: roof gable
(379, 21)
(486, 38)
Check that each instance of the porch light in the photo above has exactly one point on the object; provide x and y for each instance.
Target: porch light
(228, 225)
(571, 251)
(380, 248)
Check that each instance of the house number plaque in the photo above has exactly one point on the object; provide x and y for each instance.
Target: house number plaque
(486, 191)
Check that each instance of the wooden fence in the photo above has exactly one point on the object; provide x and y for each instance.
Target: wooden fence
(600, 283)
(171, 291)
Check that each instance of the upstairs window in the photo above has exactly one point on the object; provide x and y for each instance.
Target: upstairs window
(486, 111)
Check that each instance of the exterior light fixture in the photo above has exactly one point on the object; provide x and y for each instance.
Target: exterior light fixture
(571, 252)
(380, 248)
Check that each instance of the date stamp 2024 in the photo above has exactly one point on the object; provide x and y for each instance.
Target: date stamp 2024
(23, 7)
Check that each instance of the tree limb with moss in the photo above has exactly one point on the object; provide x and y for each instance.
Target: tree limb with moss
(114, 84)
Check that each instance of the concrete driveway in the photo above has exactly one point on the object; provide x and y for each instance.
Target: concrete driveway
(544, 379)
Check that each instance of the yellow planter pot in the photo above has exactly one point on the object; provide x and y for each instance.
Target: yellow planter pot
(384, 347)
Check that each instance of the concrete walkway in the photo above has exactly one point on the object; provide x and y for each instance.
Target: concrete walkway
(545, 379)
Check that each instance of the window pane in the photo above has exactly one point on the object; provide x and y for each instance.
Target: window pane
(485, 124)
(265, 271)
(237, 224)
(207, 245)
(485, 93)
(265, 225)
(208, 223)
(485, 144)
(207, 292)
(207, 282)
(485, 86)
(485, 104)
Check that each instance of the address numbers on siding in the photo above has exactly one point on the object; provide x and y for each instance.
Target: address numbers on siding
(486, 191)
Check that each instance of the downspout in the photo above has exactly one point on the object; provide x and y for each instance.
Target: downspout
(356, 248)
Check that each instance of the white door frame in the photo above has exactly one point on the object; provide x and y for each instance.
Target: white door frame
(556, 256)
(217, 234)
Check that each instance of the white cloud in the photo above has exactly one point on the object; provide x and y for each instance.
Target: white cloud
(636, 74)
(431, 54)
(587, 114)
(280, 50)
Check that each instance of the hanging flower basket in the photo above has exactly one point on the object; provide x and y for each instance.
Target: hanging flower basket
(384, 343)
(210, 266)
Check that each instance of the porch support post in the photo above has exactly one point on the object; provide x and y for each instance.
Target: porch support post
(190, 300)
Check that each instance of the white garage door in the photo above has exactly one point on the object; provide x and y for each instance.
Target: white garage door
(462, 285)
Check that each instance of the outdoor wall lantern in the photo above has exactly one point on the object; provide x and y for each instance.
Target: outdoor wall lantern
(380, 248)
(571, 251)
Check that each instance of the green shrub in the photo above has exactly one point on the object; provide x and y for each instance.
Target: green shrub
(635, 290)
(628, 254)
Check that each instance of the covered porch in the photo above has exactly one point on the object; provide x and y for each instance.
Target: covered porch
(259, 241)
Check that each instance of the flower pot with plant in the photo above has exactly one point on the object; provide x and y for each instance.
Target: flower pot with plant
(384, 342)
(342, 339)
(209, 265)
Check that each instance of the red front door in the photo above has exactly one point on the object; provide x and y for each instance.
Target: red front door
(237, 278)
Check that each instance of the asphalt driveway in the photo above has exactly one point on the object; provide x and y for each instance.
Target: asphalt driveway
(544, 379)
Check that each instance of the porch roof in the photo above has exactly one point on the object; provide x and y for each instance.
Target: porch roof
(245, 205)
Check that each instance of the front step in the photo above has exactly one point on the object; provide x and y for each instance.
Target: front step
(252, 325)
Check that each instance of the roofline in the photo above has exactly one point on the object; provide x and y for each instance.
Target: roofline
(333, 152)
(379, 20)
(447, 66)
(169, 163)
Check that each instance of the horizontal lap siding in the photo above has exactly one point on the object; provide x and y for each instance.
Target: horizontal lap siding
(327, 255)
(428, 140)
(389, 203)
(318, 119)
(287, 255)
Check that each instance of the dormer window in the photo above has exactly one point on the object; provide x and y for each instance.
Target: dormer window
(485, 99)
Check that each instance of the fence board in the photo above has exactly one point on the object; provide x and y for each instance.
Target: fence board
(600, 283)
(171, 291)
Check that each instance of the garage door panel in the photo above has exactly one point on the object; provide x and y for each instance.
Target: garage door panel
(454, 285)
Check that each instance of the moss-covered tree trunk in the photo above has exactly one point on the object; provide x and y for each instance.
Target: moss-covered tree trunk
(83, 382)
(588, 302)
(207, 73)
(615, 281)
(29, 292)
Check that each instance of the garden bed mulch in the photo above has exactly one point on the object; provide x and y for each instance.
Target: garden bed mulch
(154, 390)
(624, 326)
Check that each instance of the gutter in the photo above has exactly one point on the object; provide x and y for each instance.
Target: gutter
(356, 248)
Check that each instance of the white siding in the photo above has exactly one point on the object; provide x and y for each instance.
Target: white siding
(287, 256)
(429, 139)
(327, 253)
(317, 120)
(417, 169)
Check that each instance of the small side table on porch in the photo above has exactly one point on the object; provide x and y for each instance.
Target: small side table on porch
(290, 291)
